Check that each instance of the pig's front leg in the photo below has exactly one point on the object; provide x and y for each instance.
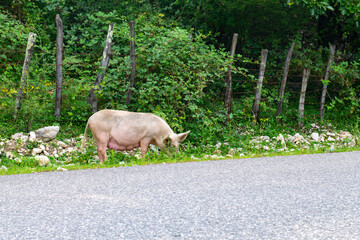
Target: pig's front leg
(144, 145)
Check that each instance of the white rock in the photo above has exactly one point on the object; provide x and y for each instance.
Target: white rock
(331, 134)
(265, 138)
(17, 135)
(21, 150)
(297, 138)
(281, 139)
(331, 139)
(217, 151)
(231, 151)
(266, 148)
(42, 160)
(322, 138)
(20, 136)
(313, 125)
(343, 135)
(315, 136)
(291, 139)
(3, 168)
(62, 144)
(298, 135)
(63, 151)
(71, 149)
(36, 151)
(32, 136)
(61, 169)
(211, 156)
(47, 133)
(9, 155)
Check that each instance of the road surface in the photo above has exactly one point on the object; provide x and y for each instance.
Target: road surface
(291, 197)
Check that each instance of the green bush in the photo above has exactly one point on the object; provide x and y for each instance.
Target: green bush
(178, 76)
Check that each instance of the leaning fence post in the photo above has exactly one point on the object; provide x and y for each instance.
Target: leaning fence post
(59, 59)
(306, 75)
(228, 76)
(92, 98)
(25, 72)
(283, 82)
(325, 81)
(256, 107)
(132, 59)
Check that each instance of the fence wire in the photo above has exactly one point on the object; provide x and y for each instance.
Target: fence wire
(243, 87)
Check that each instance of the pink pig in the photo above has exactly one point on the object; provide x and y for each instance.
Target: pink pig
(122, 130)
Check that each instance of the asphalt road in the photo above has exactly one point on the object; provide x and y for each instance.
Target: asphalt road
(293, 197)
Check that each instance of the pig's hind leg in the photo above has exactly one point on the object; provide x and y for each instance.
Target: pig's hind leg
(102, 142)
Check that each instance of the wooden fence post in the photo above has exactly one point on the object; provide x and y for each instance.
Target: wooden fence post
(228, 76)
(132, 59)
(283, 82)
(325, 81)
(92, 98)
(59, 63)
(25, 72)
(256, 107)
(306, 75)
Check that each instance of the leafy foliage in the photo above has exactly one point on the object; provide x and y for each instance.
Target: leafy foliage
(172, 72)
(180, 64)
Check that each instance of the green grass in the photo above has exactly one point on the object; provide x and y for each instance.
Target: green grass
(78, 161)
(200, 145)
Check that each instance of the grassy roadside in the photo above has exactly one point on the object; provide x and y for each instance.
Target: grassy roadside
(246, 146)
(162, 159)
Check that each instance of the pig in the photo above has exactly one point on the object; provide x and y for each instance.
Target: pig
(123, 130)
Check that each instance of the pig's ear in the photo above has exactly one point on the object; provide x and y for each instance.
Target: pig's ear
(182, 136)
